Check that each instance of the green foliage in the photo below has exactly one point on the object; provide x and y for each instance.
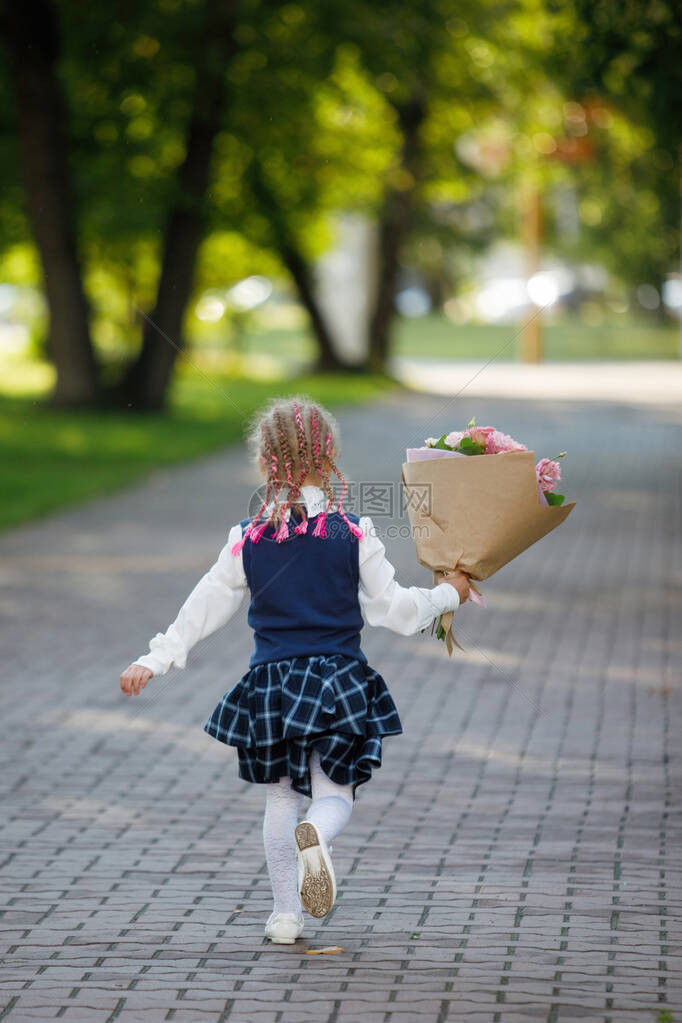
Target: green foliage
(469, 447)
(514, 91)
(49, 459)
(621, 60)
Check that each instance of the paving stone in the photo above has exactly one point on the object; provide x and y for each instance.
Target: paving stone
(517, 856)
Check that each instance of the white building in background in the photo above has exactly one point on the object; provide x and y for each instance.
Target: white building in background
(345, 283)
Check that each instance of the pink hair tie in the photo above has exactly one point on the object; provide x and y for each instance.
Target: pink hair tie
(257, 533)
(320, 529)
(283, 531)
(236, 547)
(355, 530)
(302, 527)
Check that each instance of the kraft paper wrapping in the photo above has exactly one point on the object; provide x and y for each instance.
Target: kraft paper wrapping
(475, 514)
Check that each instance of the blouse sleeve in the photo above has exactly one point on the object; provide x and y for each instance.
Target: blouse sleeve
(211, 604)
(405, 610)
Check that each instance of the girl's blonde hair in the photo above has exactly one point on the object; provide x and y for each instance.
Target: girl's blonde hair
(294, 437)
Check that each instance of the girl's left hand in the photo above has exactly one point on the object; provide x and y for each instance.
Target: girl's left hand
(135, 678)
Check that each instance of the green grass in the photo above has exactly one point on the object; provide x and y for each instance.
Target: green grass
(435, 337)
(50, 458)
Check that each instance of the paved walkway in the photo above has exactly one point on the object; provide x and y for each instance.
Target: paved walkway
(653, 382)
(516, 857)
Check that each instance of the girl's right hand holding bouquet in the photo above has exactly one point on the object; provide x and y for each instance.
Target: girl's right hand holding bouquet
(460, 581)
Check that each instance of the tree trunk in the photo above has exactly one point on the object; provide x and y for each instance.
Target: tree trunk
(393, 226)
(435, 286)
(327, 359)
(300, 270)
(145, 383)
(31, 39)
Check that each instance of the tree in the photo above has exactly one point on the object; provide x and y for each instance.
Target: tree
(332, 105)
(149, 137)
(625, 55)
(351, 88)
(274, 134)
(31, 39)
(145, 381)
(59, 134)
(421, 59)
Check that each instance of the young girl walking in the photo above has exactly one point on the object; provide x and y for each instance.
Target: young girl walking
(309, 715)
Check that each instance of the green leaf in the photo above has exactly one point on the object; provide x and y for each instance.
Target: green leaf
(555, 498)
(441, 443)
(472, 422)
(469, 447)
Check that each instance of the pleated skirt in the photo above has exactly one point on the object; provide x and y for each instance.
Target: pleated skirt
(280, 711)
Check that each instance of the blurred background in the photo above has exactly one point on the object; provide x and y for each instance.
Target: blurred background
(204, 203)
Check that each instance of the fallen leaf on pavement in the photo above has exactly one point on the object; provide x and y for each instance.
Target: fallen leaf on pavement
(330, 950)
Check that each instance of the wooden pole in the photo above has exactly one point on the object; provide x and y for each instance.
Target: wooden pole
(531, 234)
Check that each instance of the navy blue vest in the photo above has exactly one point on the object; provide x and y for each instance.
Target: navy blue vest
(304, 592)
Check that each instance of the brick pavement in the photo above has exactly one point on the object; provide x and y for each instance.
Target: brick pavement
(516, 857)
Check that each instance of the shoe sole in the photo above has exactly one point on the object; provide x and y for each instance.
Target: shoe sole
(283, 941)
(317, 890)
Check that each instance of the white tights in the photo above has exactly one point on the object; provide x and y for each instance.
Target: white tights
(329, 811)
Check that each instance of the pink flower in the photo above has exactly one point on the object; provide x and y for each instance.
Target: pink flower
(498, 441)
(480, 434)
(548, 474)
(491, 440)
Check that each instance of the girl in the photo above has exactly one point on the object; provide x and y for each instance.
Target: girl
(309, 715)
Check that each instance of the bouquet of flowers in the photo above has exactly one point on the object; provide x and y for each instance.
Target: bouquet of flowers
(477, 514)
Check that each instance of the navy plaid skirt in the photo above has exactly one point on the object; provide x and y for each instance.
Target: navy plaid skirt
(280, 711)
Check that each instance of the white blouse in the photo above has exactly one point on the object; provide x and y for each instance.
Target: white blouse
(218, 594)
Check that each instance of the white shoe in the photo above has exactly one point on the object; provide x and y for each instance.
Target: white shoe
(283, 928)
(316, 880)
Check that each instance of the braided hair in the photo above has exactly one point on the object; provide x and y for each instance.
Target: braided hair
(289, 440)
